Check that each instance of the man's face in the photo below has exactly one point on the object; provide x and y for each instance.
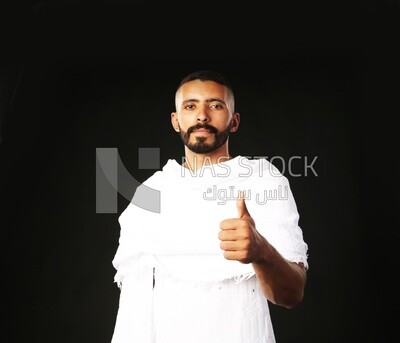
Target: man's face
(204, 115)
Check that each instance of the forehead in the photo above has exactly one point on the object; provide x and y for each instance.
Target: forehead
(200, 90)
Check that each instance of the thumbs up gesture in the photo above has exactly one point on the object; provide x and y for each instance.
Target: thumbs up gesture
(239, 238)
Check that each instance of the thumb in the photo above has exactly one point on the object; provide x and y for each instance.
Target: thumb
(241, 205)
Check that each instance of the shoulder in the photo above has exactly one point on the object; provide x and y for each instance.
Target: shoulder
(168, 171)
(146, 197)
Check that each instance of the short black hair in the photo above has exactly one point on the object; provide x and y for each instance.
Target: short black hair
(207, 75)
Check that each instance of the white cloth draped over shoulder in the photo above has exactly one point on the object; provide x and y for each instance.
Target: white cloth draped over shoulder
(199, 296)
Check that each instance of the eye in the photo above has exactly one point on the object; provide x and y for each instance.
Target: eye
(217, 106)
(189, 107)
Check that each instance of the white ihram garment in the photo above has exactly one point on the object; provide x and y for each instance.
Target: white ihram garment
(199, 296)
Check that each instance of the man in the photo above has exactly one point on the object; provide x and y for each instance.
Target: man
(225, 242)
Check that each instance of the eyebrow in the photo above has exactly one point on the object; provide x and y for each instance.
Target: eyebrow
(207, 100)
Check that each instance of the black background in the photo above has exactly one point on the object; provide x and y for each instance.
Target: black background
(312, 79)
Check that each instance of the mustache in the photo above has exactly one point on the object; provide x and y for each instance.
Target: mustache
(205, 126)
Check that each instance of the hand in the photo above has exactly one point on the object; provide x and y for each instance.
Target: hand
(239, 238)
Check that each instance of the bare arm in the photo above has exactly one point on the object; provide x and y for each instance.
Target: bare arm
(281, 281)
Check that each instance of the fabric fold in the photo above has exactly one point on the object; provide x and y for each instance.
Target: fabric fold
(134, 318)
(185, 250)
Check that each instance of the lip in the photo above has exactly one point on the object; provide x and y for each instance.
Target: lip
(202, 132)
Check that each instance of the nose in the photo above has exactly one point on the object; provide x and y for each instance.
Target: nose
(202, 116)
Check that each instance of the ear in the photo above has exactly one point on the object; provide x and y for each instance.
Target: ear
(174, 121)
(235, 122)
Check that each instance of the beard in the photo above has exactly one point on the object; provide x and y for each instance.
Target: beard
(200, 146)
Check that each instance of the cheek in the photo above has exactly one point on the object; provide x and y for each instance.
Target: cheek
(185, 122)
(223, 122)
